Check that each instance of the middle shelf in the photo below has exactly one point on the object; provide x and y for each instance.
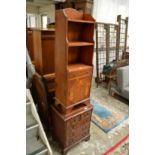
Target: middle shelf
(78, 67)
(79, 43)
(80, 54)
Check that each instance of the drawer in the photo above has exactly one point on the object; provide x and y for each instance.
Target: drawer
(85, 72)
(78, 127)
(71, 129)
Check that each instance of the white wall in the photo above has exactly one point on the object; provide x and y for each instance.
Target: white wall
(49, 10)
(32, 9)
(38, 11)
(107, 10)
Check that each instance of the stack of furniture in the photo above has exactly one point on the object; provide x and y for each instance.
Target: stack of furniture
(74, 45)
(43, 48)
(85, 6)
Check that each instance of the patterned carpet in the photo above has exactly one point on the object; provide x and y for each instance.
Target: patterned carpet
(106, 118)
(121, 148)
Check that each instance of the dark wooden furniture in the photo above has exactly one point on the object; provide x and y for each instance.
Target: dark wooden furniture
(85, 6)
(74, 47)
(43, 43)
(72, 129)
(43, 88)
(43, 94)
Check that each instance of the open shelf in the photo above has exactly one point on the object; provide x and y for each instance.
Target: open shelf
(78, 43)
(81, 21)
(80, 54)
(80, 32)
(74, 47)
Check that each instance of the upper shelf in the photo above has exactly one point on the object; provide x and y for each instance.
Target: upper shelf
(81, 21)
(72, 44)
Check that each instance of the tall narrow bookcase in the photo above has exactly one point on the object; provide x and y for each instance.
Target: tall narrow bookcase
(74, 45)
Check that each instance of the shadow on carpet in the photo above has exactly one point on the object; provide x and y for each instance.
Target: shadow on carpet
(106, 118)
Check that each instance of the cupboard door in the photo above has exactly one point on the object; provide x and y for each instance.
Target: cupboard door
(78, 89)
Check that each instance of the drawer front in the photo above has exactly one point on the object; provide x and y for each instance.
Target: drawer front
(78, 127)
(75, 74)
(78, 89)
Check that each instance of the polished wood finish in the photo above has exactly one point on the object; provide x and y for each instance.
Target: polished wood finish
(43, 42)
(72, 129)
(76, 53)
(74, 45)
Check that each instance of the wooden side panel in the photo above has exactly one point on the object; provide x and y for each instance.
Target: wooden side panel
(48, 45)
(44, 44)
(37, 51)
(61, 56)
(58, 125)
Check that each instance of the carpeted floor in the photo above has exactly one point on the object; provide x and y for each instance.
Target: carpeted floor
(100, 142)
(120, 148)
(106, 117)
